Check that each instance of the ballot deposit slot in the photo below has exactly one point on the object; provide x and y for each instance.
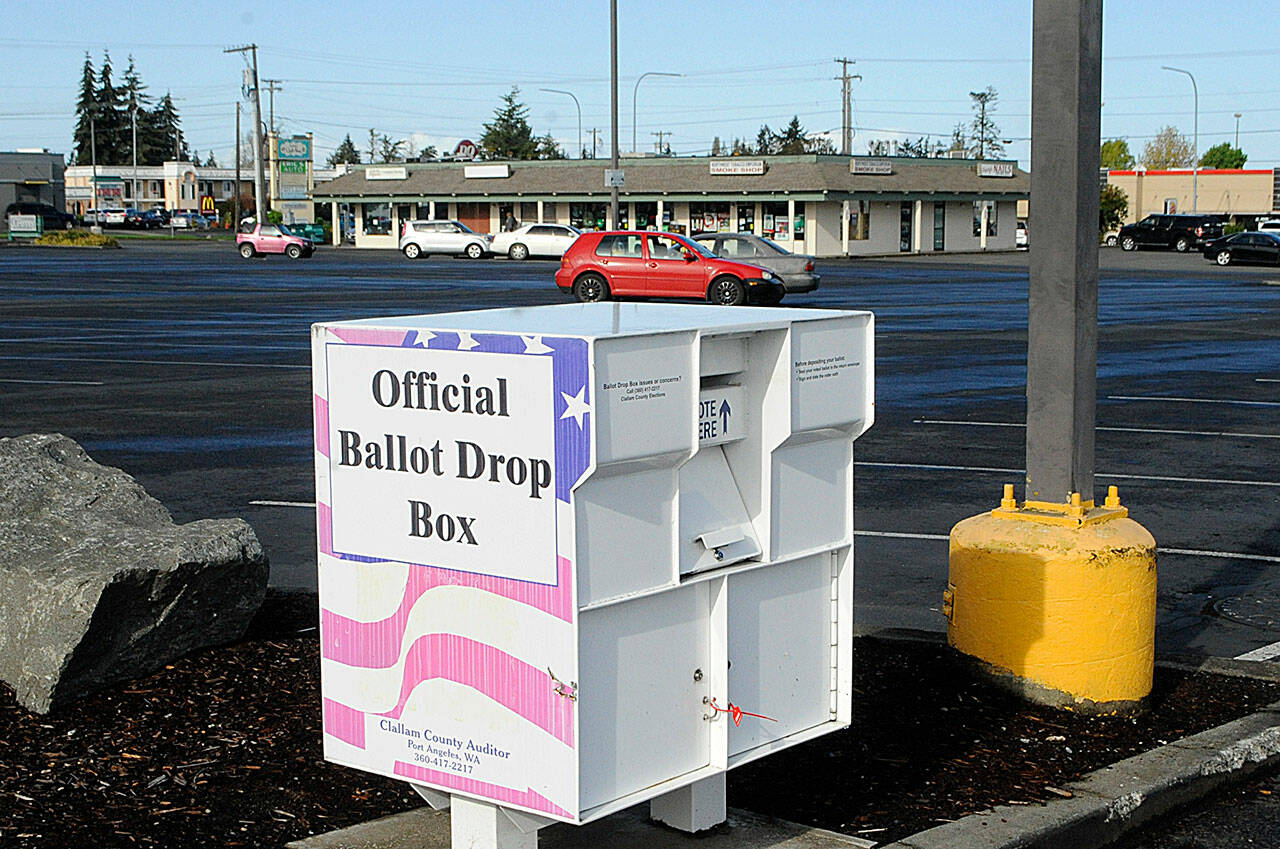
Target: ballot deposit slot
(577, 557)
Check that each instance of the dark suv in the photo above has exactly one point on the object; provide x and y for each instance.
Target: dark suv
(54, 218)
(1180, 232)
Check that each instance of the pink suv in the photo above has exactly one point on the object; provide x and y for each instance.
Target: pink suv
(273, 239)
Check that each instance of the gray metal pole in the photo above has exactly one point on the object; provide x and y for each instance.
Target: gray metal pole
(613, 106)
(579, 108)
(1062, 332)
(235, 222)
(1195, 134)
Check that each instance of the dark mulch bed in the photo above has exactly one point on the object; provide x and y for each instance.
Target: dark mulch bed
(223, 749)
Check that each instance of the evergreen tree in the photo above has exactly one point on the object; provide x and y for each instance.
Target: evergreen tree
(210, 162)
(765, 140)
(509, 135)
(85, 104)
(345, 154)
(549, 148)
(791, 140)
(136, 102)
(717, 149)
(164, 133)
(112, 121)
(740, 148)
(985, 140)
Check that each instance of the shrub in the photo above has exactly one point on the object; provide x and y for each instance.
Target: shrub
(77, 239)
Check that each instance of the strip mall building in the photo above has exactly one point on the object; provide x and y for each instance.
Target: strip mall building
(816, 204)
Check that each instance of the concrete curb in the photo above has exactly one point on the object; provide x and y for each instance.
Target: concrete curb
(1116, 799)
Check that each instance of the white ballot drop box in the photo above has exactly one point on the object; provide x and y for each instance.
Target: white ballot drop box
(577, 557)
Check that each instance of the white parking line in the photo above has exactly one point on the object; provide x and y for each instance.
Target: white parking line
(309, 504)
(1270, 652)
(147, 362)
(1168, 431)
(1194, 400)
(1108, 475)
(53, 382)
(1186, 552)
(1267, 379)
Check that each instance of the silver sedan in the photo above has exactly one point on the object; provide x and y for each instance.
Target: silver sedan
(796, 270)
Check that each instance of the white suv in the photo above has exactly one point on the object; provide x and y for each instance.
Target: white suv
(423, 238)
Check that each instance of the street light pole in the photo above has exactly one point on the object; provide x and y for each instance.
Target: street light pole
(1237, 145)
(1195, 143)
(636, 91)
(575, 103)
(613, 108)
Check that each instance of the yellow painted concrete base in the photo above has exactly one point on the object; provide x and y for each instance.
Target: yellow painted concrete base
(1058, 600)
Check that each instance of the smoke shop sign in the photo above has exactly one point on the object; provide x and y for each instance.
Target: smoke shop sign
(737, 167)
(871, 166)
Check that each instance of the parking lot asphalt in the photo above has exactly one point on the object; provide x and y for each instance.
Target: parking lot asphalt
(189, 368)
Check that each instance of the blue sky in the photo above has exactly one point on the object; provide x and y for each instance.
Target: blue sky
(435, 72)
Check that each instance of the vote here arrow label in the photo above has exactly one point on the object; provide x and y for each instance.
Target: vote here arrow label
(722, 415)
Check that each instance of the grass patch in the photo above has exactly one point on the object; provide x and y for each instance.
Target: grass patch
(77, 239)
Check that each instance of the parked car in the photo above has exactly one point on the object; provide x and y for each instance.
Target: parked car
(1261, 247)
(1180, 232)
(143, 220)
(190, 220)
(535, 240)
(423, 238)
(113, 216)
(54, 218)
(1110, 238)
(796, 270)
(273, 239)
(639, 263)
(1269, 224)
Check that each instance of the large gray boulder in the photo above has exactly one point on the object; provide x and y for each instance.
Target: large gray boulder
(97, 583)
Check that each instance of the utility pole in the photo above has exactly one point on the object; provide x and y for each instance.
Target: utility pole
(235, 221)
(594, 132)
(133, 120)
(252, 50)
(272, 87)
(660, 134)
(846, 105)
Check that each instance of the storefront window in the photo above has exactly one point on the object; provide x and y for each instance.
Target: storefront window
(746, 218)
(549, 211)
(797, 229)
(977, 217)
(776, 223)
(939, 226)
(377, 219)
(647, 216)
(588, 216)
(709, 217)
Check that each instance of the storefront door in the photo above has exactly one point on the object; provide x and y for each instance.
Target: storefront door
(904, 239)
(474, 215)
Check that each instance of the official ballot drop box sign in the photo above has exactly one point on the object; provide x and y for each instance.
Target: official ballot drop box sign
(575, 557)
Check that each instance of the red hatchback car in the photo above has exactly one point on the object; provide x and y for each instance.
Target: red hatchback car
(645, 264)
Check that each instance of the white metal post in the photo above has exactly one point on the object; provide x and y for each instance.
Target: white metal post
(694, 807)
